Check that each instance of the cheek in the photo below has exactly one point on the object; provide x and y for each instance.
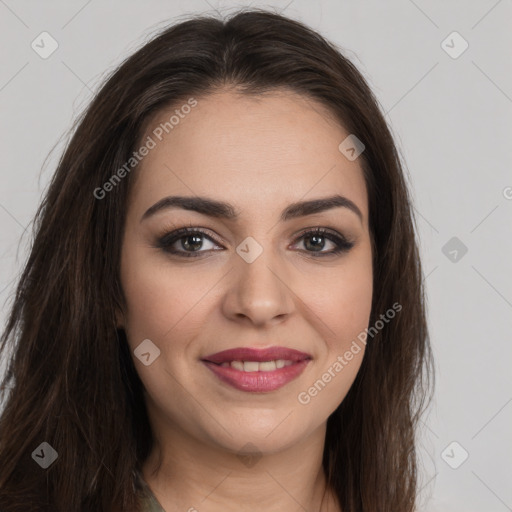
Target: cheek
(351, 314)
(341, 300)
(156, 300)
(342, 307)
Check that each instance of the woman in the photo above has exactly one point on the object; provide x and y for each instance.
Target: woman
(223, 306)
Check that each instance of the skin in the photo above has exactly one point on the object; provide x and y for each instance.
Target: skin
(259, 154)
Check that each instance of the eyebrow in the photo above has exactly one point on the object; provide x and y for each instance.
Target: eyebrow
(222, 210)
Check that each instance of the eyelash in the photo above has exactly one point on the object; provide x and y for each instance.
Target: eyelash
(166, 241)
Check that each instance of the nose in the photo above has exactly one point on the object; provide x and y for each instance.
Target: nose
(259, 292)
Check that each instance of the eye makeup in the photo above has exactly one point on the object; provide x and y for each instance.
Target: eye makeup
(183, 242)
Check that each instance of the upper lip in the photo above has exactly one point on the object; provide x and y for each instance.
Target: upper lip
(257, 354)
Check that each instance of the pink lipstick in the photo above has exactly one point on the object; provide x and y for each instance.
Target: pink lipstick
(257, 370)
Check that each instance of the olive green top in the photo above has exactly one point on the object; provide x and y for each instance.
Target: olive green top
(151, 505)
(149, 501)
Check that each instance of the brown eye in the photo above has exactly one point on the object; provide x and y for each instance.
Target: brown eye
(185, 242)
(315, 242)
(189, 242)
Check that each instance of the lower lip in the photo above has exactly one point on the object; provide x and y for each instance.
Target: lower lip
(257, 381)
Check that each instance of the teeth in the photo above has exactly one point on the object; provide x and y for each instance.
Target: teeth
(237, 365)
(255, 366)
(267, 366)
(251, 366)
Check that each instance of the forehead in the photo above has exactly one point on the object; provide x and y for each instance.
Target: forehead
(250, 150)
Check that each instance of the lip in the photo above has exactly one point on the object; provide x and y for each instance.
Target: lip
(257, 354)
(257, 382)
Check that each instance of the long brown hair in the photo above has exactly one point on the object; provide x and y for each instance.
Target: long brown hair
(71, 381)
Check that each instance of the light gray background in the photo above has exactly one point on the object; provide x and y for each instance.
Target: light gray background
(452, 121)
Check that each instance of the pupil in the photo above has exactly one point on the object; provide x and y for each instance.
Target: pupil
(195, 245)
(318, 244)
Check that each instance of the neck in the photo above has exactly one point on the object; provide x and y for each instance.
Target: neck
(192, 475)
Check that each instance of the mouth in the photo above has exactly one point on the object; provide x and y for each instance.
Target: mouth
(257, 370)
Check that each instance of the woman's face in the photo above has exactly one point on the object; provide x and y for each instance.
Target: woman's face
(253, 278)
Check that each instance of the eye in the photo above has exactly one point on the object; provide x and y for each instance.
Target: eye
(315, 240)
(188, 242)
